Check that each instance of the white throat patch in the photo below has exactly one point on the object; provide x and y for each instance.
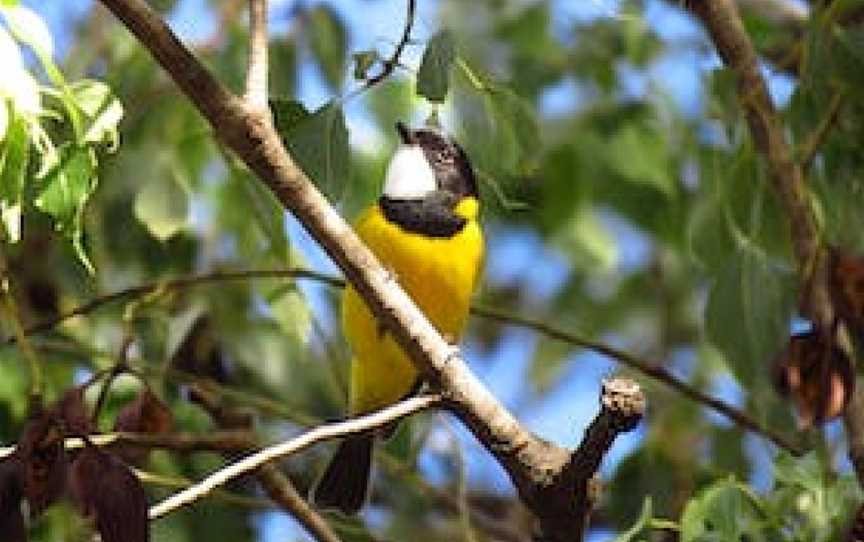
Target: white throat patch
(409, 175)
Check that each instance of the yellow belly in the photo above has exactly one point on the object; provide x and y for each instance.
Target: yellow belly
(438, 273)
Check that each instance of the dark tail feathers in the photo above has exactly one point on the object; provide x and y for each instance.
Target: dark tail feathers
(344, 484)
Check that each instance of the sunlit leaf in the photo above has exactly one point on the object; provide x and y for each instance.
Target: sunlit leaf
(433, 78)
(29, 28)
(64, 192)
(102, 110)
(162, 205)
(14, 159)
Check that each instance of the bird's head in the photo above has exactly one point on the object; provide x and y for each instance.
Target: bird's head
(427, 161)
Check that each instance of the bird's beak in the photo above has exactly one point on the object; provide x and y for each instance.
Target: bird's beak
(405, 133)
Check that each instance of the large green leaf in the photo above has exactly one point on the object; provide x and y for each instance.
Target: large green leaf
(748, 313)
(319, 144)
(328, 40)
(433, 78)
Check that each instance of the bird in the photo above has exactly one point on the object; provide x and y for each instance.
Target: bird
(425, 230)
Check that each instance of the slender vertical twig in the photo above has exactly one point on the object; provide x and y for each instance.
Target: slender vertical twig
(257, 68)
(10, 306)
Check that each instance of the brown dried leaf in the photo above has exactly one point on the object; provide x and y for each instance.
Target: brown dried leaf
(847, 288)
(200, 352)
(44, 462)
(107, 492)
(817, 375)
(72, 410)
(145, 414)
(11, 491)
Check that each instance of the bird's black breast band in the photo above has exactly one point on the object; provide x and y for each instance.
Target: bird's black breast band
(433, 216)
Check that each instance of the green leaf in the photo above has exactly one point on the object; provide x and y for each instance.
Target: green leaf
(499, 129)
(29, 28)
(723, 511)
(708, 234)
(291, 311)
(363, 61)
(162, 205)
(65, 190)
(433, 78)
(641, 523)
(14, 158)
(328, 40)
(102, 111)
(319, 144)
(283, 66)
(748, 312)
(17, 84)
(287, 114)
(640, 156)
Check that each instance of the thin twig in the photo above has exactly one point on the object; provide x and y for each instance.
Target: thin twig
(810, 146)
(388, 65)
(37, 378)
(173, 284)
(214, 441)
(653, 370)
(119, 367)
(257, 68)
(321, 433)
(178, 482)
(275, 483)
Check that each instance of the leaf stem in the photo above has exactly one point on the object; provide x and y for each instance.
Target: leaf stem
(37, 379)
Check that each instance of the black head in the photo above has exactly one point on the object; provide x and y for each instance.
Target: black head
(453, 172)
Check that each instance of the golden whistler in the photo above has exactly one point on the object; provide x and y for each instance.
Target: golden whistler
(425, 229)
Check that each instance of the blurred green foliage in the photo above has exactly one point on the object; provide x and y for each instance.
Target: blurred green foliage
(657, 217)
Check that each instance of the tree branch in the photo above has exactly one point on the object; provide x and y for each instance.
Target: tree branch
(216, 441)
(277, 485)
(721, 19)
(652, 370)
(10, 307)
(622, 405)
(173, 284)
(810, 147)
(256, 70)
(389, 65)
(321, 433)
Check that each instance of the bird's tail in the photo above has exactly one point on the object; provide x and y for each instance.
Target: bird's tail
(344, 484)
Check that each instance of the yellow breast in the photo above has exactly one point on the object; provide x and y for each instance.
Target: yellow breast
(438, 273)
